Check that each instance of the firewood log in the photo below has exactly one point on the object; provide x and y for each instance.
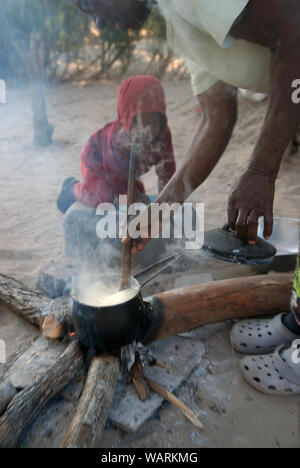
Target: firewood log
(186, 309)
(58, 324)
(28, 304)
(34, 307)
(92, 411)
(27, 404)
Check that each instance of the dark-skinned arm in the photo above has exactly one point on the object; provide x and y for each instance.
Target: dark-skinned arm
(217, 119)
(273, 24)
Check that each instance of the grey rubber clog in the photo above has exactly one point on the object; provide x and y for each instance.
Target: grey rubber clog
(276, 374)
(260, 336)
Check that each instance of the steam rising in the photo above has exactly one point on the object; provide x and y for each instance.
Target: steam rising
(102, 291)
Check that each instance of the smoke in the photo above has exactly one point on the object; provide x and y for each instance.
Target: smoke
(143, 136)
(102, 290)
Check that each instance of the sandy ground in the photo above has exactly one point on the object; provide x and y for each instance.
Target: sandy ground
(31, 236)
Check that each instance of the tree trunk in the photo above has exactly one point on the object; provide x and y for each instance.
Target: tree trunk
(42, 129)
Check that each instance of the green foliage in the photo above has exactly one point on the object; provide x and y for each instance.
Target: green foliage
(156, 26)
(115, 46)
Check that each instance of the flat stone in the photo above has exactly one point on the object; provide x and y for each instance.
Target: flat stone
(181, 356)
(34, 363)
(55, 279)
(52, 287)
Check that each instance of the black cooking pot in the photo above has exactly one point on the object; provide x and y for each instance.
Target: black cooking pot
(109, 328)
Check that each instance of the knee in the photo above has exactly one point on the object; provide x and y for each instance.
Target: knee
(69, 220)
(78, 214)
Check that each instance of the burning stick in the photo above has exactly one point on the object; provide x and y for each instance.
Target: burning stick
(58, 325)
(176, 402)
(141, 383)
(155, 362)
(138, 379)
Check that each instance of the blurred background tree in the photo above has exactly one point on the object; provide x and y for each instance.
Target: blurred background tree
(62, 30)
(73, 48)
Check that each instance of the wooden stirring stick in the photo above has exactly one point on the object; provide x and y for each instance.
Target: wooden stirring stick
(126, 252)
(137, 371)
